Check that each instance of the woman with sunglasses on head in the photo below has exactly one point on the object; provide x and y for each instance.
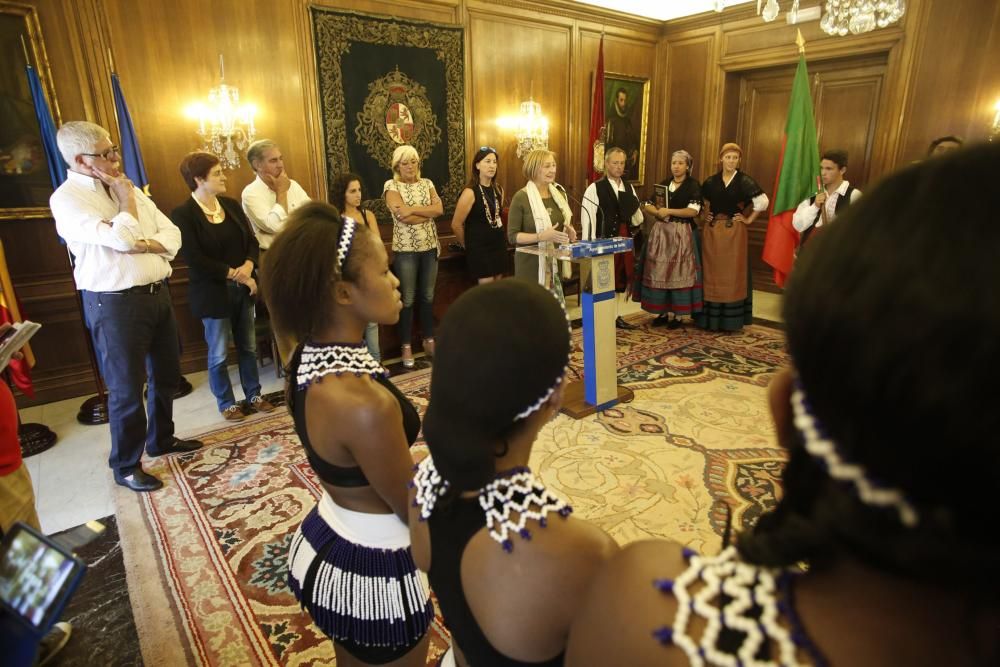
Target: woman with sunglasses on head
(346, 195)
(878, 552)
(508, 564)
(349, 562)
(477, 221)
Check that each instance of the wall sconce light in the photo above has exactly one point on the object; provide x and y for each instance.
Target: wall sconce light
(225, 125)
(995, 129)
(532, 128)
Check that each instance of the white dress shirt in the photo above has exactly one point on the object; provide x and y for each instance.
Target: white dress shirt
(83, 209)
(267, 216)
(807, 211)
(590, 205)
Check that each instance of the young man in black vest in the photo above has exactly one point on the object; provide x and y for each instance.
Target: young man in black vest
(836, 195)
(611, 208)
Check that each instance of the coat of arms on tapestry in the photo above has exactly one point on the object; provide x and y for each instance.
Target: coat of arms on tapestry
(384, 82)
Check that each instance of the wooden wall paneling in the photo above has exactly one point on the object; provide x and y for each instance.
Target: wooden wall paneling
(534, 60)
(691, 98)
(631, 55)
(847, 109)
(947, 73)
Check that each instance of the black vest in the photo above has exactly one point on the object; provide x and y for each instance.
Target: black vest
(614, 208)
(843, 202)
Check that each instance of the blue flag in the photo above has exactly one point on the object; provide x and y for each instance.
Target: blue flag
(57, 170)
(131, 156)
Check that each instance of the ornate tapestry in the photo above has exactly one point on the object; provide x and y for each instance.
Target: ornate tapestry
(384, 82)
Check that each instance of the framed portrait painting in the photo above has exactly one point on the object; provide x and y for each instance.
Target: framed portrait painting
(626, 111)
(25, 186)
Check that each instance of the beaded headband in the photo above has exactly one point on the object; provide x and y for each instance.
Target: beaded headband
(537, 405)
(869, 491)
(344, 244)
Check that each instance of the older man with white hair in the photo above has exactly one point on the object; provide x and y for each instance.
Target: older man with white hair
(123, 246)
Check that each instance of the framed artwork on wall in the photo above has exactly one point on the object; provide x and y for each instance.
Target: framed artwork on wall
(626, 111)
(25, 186)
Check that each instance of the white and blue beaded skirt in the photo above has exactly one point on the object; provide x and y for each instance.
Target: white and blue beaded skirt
(354, 573)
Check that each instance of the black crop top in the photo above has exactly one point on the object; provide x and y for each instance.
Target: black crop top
(451, 527)
(335, 475)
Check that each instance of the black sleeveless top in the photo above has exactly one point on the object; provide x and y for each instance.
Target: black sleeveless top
(335, 475)
(451, 527)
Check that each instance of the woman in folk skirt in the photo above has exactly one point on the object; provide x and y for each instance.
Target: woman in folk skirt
(729, 194)
(668, 277)
(349, 562)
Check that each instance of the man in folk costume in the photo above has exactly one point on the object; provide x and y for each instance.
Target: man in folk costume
(835, 196)
(611, 208)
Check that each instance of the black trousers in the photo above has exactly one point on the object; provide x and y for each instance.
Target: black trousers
(135, 338)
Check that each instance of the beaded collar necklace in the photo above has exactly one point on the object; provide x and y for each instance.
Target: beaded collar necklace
(319, 359)
(215, 216)
(492, 216)
(742, 606)
(512, 493)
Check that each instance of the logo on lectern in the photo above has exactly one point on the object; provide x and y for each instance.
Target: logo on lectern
(604, 275)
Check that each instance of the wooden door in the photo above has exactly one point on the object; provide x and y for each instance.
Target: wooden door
(846, 97)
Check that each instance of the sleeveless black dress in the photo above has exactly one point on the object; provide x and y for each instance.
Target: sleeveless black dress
(485, 246)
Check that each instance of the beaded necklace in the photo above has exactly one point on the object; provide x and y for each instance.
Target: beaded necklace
(742, 605)
(492, 217)
(319, 359)
(218, 215)
(512, 493)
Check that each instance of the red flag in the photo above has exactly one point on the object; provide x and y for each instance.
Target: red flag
(796, 177)
(19, 369)
(597, 119)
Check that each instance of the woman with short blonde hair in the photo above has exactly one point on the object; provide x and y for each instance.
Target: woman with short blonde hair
(414, 203)
(539, 214)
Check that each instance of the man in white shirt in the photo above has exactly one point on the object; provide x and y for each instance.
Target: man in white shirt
(271, 196)
(123, 246)
(836, 195)
(611, 208)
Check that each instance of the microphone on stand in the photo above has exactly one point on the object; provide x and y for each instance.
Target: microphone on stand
(583, 209)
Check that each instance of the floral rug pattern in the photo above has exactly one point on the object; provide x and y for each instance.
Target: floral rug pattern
(696, 437)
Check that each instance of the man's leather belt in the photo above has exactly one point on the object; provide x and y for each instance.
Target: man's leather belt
(151, 288)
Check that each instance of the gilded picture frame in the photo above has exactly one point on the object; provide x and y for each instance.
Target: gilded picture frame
(24, 178)
(626, 115)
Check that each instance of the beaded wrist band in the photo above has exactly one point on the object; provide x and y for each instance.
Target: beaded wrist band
(820, 447)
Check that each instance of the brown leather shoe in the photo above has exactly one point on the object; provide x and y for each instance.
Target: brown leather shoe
(261, 404)
(233, 413)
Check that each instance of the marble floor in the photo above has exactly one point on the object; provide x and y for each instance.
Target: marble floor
(72, 482)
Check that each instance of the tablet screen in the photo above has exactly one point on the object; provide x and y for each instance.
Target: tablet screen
(35, 577)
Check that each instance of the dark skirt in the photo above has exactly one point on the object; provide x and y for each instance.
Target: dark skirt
(486, 251)
(369, 599)
(731, 316)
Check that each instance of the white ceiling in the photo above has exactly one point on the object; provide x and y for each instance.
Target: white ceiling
(661, 10)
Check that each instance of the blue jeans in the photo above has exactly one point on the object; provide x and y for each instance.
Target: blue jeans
(135, 339)
(239, 325)
(417, 273)
(371, 340)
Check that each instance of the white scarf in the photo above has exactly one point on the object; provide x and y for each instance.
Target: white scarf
(543, 222)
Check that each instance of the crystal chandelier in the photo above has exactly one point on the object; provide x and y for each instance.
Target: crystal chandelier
(224, 124)
(860, 16)
(532, 128)
(843, 16)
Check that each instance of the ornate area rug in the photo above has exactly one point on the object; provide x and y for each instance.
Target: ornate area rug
(205, 556)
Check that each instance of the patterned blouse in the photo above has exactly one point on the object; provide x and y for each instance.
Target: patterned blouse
(419, 237)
